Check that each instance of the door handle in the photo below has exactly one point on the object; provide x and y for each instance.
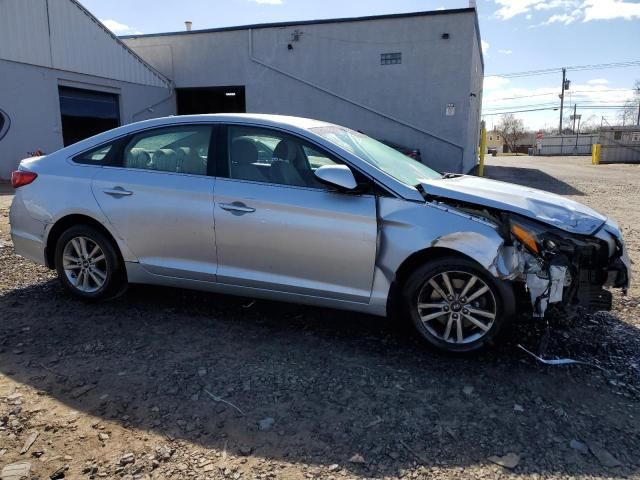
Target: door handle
(117, 192)
(237, 208)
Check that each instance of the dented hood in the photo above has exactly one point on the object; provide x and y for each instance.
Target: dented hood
(543, 206)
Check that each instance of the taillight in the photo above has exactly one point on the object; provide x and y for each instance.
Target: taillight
(20, 178)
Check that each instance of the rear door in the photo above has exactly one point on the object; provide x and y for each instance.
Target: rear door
(278, 228)
(159, 200)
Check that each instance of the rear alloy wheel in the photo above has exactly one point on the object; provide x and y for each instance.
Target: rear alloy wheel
(455, 306)
(87, 263)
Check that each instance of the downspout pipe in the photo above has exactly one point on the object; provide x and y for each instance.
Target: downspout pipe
(254, 59)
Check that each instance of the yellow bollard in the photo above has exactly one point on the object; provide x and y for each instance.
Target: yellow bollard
(595, 153)
(483, 148)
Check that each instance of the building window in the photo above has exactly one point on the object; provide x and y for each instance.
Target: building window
(490, 137)
(617, 135)
(635, 137)
(86, 113)
(390, 58)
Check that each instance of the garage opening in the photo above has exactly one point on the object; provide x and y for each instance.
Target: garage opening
(191, 101)
(86, 113)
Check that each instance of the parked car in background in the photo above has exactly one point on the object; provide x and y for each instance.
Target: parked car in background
(493, 151)
(409, 152)
(294, 209)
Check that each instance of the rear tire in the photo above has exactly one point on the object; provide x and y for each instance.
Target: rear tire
(88, 264)
(455, 305)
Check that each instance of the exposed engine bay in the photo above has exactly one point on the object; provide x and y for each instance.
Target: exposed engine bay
(553, 267)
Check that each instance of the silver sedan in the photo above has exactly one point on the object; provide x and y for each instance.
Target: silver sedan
(300, 210)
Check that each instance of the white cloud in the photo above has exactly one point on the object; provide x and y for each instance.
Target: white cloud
(510, 8)
(119, 28)
(565, 18)
(494, 83)
(598, 81)
(268, 2)
(568, 11)
(610, 9)
(505, 52)
(485, 47)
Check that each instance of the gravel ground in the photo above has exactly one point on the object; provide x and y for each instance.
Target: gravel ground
(164, 383)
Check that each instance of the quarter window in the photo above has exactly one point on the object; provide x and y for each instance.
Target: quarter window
(183, 149)
(268, 156)
(97, 156)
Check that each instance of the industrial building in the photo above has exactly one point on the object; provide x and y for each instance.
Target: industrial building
(413, 79)
(64, 77)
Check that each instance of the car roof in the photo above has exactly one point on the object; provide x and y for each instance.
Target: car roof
(299, 124)
(249, 118)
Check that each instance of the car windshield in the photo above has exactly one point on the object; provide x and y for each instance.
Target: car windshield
(390, 161)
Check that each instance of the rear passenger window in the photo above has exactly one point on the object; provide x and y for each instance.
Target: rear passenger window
(183, 149)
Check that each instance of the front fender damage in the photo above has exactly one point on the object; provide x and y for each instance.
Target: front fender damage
(503, 262)
(552, 267)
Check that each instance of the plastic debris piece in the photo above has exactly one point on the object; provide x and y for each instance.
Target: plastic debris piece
(560, 361)
(510, 460)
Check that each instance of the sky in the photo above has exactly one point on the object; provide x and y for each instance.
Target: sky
(517, 36)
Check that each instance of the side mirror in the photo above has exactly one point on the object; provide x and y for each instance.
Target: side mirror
(338, 176)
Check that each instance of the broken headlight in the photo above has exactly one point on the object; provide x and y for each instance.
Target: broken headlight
(531, 235)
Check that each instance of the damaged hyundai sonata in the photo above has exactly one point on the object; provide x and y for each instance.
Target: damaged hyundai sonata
(299, 210)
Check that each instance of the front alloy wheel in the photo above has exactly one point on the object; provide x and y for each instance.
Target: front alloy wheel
(455, 305)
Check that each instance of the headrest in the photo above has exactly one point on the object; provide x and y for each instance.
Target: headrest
(244, 152)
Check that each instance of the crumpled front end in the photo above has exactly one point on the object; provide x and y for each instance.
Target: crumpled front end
(567, 269)
(553, 266)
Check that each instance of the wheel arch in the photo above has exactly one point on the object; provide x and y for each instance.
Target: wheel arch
(68, 221)
(428, 254)
(432, 253)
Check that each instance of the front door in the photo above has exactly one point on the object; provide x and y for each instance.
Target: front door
(278, 228)
(159, 200)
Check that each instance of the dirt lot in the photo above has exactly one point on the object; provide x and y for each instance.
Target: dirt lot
(164, 383)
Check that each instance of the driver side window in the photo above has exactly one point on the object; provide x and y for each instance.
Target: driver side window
(269, 156)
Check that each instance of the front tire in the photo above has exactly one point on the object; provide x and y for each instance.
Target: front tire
(455, 305)
(88, 264)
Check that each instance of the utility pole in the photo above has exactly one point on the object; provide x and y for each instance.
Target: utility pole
(638, 121)
(574, 118)
(564, 78)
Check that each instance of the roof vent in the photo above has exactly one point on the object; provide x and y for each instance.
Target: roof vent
(188, 24)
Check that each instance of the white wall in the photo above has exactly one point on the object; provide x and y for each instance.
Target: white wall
(403, 103)
(61, 34)
(29, 96)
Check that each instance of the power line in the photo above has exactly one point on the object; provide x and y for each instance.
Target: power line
(621, 90)
(576, 68)
(588, 107)
(520, 111)
(551, 104)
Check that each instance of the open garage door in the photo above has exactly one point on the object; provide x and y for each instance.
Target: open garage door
(210, 100)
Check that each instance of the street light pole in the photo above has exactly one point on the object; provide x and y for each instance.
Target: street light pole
(564, 78)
